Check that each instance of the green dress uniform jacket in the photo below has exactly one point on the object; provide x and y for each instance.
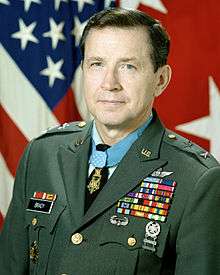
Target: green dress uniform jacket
(66, 240)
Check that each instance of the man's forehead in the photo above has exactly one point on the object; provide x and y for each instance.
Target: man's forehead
(114, 30)
(127, 39)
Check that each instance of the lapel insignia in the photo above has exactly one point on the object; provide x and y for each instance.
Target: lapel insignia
(79, 142)
(151, 233)
(41, 202)
(119, 221)
(152, 201)
(146, 152)
(205, 155)
(63, 126)
(160, 173)
(187, 144)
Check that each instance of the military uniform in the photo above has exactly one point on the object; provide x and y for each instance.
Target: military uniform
(157, 214)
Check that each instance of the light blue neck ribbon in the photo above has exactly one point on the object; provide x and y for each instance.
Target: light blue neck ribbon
(113, 155)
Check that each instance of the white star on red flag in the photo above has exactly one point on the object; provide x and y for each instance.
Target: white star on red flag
(207, 127)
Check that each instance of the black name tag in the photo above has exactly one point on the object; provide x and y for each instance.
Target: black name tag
(38, 205)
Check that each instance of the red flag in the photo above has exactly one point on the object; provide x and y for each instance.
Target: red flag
(191, 103)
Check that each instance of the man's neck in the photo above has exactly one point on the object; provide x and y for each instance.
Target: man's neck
(111, 135)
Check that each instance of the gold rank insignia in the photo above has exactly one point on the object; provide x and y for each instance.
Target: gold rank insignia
(95, 181)
(146, 152)
(34, 252)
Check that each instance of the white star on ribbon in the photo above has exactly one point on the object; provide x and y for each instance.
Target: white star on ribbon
(55, 33)
(81, 3)
(4, 2)
(208, 127)
(155, 4)
(53, 71)
(25, 33)
(57, 3)
(27, 3)
(77, 30)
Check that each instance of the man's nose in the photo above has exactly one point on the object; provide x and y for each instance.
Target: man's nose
(111, 81)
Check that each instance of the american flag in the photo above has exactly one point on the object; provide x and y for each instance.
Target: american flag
(40, 77)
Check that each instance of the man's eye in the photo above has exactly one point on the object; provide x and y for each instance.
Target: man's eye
(128, 66)
(96, 64)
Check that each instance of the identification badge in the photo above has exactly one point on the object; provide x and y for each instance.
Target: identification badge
(39, 205)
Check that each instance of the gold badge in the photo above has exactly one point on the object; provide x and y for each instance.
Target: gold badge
(146, 152)
(82, 124)
(94, 183)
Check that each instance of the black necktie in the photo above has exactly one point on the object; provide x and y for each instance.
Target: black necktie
(96, 180)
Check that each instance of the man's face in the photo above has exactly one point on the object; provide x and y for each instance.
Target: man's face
(119, 77)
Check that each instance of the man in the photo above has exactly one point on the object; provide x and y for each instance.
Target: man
(158, 212)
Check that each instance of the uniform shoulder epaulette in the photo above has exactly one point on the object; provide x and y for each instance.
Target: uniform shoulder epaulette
(189, 147)
(76, 126)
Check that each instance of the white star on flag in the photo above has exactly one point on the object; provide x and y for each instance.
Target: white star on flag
(205, 127)
(57, 3)
(25, 33)
(4, 2)
(27, 3)
(78, 29)
(53, 70)
(81, 4)
(55, 33)
(155, 4)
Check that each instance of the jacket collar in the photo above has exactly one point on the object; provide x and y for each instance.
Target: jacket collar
(141, 160)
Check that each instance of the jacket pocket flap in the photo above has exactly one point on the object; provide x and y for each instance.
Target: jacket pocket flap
(38, 219)
(132, 235)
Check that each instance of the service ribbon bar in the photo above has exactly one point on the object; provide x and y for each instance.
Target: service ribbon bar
(152, 201)
(44, 196)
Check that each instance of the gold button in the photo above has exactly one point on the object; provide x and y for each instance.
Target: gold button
(132, 241)
(171, 136)
(82, 124)
(77, 238)
(34, 221)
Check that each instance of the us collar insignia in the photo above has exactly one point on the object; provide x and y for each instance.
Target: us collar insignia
(41, 202)
(147, 153)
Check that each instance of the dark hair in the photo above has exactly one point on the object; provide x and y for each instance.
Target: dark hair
(122, 18)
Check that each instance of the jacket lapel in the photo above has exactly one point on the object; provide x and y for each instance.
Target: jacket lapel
(140, 161)
(73, 161)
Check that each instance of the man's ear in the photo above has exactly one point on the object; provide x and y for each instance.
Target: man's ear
(163, 79)
(81, 64)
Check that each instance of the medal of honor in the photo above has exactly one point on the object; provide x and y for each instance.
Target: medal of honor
(94, 183)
